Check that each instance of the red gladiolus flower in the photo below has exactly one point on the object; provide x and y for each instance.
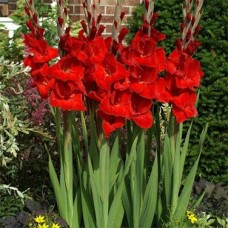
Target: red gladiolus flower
(108, 72)
(140, 111)
(184, 106)
(110, 123)
(143, 52)
(67, 68)
(116, 103)
(67, 96)
(96, 50)
(186, 70)
(140, 80)
(73, 46)
(39, 49)
(43, 83)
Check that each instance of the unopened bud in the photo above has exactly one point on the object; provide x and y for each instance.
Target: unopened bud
(146, 2)
(100, 30)
(115, 24)
(99, 18)
(122, 34)
(188, 35)
(198, 28)
(182, 26)
(122, 15)
(89, 16)
(188, 17)
(27, 11)
(193, 20)
(179, 44)
(60, 21)
(35, 18)
(84, 26)
(154, 18)
(65, 11)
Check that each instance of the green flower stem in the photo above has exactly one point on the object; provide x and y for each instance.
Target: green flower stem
(59, 133)
(68, 163)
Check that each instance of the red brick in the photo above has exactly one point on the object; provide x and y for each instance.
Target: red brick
(110, 9)
(70, 2)
(131, 2)
(107, 19)
(108, 28)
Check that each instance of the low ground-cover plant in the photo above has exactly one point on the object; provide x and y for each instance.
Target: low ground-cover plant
(33, 214)
(215, 198)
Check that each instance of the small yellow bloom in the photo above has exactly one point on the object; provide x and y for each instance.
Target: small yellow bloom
(39, 219)
(43, 225)
(191, 216)
(193, 219)
(55, 225)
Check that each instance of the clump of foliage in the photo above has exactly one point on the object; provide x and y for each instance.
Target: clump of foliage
(212, 107)
(12, 200)
(32, 214)
(10, 123)
(215, 196)
(25, 129)
(15, 110)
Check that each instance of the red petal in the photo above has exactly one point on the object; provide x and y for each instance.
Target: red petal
(144, 120)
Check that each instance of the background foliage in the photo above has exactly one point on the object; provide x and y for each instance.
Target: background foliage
(212, 107)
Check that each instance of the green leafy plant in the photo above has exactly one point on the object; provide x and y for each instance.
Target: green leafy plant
(12, 200)
(33, 214)
(13, 120)
(10, 124)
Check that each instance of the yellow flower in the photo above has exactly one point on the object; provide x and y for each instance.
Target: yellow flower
(191, 216)
(43, 226)
(39, 219)
(193, 219)
(55, 225)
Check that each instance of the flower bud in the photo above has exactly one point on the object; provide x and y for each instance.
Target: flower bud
(146, 2)
(188, 17)
(60, 21)
(27, 11)
(84, 26)
(99, 18)
(193, 20)
(65, 11)
(154, 18)
(122, 15)
(35, 18)
(182, 26)
(198, 28)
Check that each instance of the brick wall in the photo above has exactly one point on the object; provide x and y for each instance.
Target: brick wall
(107, 10)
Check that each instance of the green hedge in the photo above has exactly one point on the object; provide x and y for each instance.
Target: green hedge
(213, 103)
